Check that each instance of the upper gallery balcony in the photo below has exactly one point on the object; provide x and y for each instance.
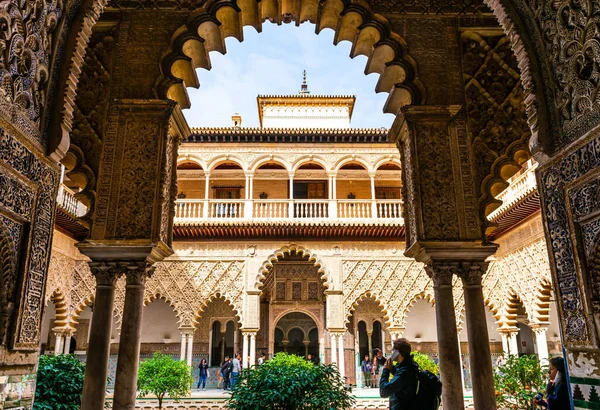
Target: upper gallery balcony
(519, 200)
(273, 197)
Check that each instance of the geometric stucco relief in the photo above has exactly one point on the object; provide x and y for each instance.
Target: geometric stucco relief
(188, 286)
(524, 274)
(395, 284)
(71, 286)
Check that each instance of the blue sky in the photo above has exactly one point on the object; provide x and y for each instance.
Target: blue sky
(272, 62)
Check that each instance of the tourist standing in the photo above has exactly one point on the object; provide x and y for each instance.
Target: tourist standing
(203, 374)
(226, 368)
(402, 388)
(557, 392)
(236, 368)
(366, 367)
(378, 363)
(261, 359)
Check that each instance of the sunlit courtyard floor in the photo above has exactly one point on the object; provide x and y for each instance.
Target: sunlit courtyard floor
(213, 399)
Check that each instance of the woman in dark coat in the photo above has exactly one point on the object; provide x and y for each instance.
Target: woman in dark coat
(557, 391)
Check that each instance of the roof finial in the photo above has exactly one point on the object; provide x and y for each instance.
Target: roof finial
(304, 87)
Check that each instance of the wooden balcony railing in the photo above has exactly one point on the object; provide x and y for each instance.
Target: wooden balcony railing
(189, 210)
(520, 186)
(67, 201)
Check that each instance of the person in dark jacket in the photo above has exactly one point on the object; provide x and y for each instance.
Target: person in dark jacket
(226, 369)
(557, 392)
(202, 374)
(402, 388)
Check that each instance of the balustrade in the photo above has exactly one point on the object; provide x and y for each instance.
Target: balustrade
(520, 186)
(67, 201)
(188, 210)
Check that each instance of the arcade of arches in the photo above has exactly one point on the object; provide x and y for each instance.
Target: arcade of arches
(477, 88)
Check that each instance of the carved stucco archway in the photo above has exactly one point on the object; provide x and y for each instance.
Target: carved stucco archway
(258, 281)
(373, 296)
(370, 33)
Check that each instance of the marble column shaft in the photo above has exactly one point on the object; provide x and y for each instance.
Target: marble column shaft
(67, 344)
(245, 359)
(482, 373)
(183, 346)
(252, 348)
(190, 348)
(333, 349)
(98, 352)
(449, 355)
(341, 356)
(131, 332)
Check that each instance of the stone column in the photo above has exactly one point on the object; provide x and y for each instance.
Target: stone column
(370, 342)
(190, 348)
(504, 343)
(482, 373)
(131, 331)
(183, 345)
(513, 346)
(67, 344)
(98, 351)
(222, 347)
(341, 356)
(58, 345)
(206, 207)
(245, 350)
(450, 364)
(373, 199)
(306, 343)
(541, 344)
(252, 348)
(333, 349)
(291, 194)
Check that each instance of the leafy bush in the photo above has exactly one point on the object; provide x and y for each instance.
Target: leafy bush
(517, 381)
(162, 375)
(59, 383)
(289, 382)
(425, 362)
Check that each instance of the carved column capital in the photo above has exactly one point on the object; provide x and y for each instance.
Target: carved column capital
(471, 273)
(441, 272)
(106, 273)
(136, 272)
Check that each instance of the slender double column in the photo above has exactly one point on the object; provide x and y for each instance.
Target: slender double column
(136, 274)
(541, 343)
(245, 359)
(341, 361)
(252, 348)
(96, 369)
(333, 348)
(482, 372)
(450, 364)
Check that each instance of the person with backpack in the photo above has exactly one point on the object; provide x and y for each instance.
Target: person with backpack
(410, 388)
(402, 387)
(366, 367)
(226, 369)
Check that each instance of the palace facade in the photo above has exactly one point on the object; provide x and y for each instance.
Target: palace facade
(292, 239)
(477, 88)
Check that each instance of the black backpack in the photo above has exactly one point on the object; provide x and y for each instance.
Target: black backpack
(429, 391)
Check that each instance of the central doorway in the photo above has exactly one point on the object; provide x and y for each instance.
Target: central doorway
(297, 333)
